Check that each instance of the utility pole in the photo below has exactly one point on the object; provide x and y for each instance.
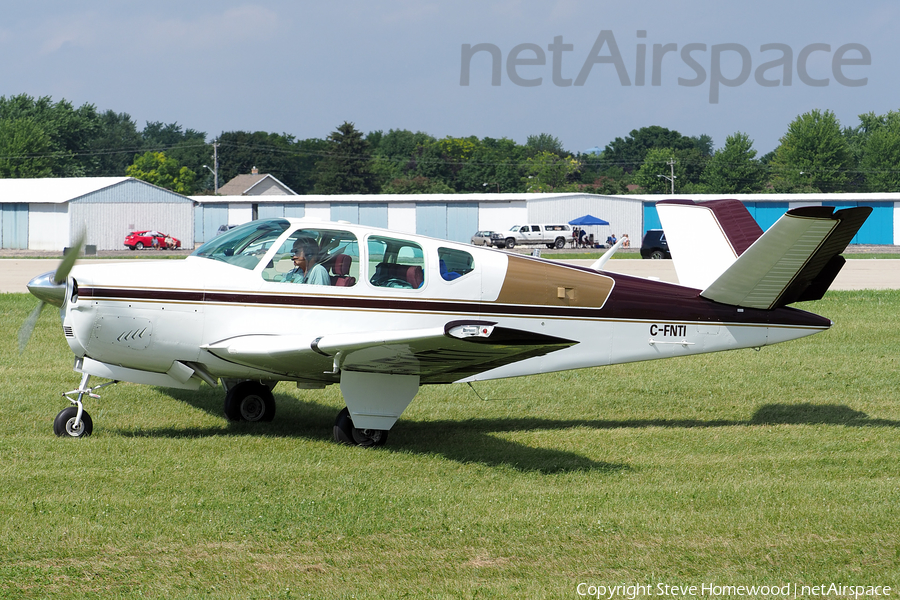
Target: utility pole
(215, 169)
(671, 178)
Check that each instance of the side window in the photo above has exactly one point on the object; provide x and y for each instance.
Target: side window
(316, 257)
(454, 263)
(395, 263)
(536, 228)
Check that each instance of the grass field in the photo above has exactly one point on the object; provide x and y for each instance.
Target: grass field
(741, 468)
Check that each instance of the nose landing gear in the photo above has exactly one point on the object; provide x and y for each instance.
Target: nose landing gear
(74, 421)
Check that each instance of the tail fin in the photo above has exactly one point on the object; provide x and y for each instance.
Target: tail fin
(705, 239)
(795, 260)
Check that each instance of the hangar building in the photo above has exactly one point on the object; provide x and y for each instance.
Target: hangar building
(50, 213)
(448, 216)
(457, 216)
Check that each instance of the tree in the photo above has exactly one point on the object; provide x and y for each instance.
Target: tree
(187, 147)
(25, 149)
(881, 159)
(813, 155)
(629, 153)
(734, 169)
(115, 144)
(545, 142)
(156, 168)
(496, 163)
(70, 131)
(652, 176)
(346, 167)
(278, 155)
(548, 172)
(416, 185)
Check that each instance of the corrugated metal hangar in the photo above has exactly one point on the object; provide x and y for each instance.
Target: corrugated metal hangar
(447, 216)
(457, 216)
(49, 214)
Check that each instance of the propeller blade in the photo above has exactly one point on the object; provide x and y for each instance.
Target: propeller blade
(68, 261)
(27, 327)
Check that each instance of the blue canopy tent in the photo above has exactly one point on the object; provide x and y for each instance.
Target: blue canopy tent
(588, 220)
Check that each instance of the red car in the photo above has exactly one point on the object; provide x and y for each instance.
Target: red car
(138, 240)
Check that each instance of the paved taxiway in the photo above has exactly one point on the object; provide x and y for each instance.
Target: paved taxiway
(857, 274)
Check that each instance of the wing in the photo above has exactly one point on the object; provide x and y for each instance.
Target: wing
(437, 355)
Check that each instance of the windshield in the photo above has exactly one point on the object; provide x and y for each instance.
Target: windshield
(244, 246)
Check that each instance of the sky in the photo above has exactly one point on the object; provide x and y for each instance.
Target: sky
(584, 71)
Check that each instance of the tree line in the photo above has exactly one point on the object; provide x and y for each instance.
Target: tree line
(43, 138)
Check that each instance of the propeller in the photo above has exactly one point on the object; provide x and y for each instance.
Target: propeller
(49, 288)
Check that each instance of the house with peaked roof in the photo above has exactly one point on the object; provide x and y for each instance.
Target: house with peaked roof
(51, 213)
(255, 184)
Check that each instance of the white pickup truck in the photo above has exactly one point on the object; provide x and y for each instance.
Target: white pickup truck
(552, 236)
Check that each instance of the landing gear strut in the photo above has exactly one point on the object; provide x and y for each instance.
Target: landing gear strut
(346, 433)
(74, 421)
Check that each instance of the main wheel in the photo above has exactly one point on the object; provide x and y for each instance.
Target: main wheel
(250, 401)
(510, 243)
(64, 423)
(346, 433)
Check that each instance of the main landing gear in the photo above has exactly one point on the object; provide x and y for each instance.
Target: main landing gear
(74, 421)
(250, 401)
(254, 402)
(346, 433)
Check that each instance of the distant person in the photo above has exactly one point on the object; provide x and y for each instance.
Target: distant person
(307, 269)
(627, 242)
(581, 234)
(611, 240)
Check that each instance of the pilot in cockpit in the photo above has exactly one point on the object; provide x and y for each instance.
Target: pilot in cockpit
(307, 269)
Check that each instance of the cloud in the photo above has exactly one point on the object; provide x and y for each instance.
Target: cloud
(131, 32)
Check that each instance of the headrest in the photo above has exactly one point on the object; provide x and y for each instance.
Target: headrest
(342, 265)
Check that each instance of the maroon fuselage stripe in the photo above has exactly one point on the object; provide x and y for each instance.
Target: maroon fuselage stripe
(631, 299)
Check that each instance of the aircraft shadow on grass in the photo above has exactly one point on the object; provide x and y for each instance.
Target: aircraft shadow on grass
(475, 440)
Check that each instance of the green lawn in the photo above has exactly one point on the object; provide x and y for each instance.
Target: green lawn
(740, 468)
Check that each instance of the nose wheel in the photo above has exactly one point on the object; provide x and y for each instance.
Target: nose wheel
(74, 421)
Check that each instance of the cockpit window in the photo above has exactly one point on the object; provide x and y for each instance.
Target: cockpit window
(244, 246)
(395, 263)
(316, 257)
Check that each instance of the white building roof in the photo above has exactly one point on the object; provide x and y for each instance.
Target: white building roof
(395, 198)
(53, 190)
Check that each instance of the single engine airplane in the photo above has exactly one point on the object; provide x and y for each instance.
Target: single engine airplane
(382, 313)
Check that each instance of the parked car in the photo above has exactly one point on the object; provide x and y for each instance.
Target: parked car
(654, 245)
(482, 238)
(552, 236)
(223, 228)
(138, 240)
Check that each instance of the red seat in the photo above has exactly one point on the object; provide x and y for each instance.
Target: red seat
(415, 276)
(341, 269)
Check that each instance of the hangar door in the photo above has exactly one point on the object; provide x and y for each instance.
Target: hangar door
(14, 226)
(455, 221)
